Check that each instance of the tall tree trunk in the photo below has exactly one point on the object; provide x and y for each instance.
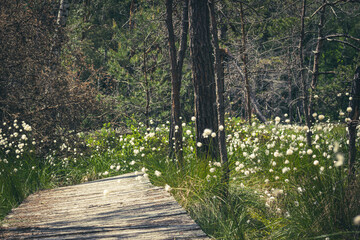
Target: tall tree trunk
(147, 90)
(290, 88)
(244, 58)
(219, 82)
(203, 77)
(354, 117)
(175, 135)
(315, 70)
(305, 97)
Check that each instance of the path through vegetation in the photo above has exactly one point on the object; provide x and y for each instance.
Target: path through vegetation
(120, 207)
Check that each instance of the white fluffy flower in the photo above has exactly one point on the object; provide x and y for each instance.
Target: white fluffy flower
(289, 152)
(356, 220)
(167, 188)
(277, 120)
(157, 173)
(207, 132)
(26, 127)
(340, 160)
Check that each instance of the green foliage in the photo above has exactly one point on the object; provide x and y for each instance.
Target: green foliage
(127, 63)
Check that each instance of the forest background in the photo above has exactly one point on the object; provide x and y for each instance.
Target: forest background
(115, 54)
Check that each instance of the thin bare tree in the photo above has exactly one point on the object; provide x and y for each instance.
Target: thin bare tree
(176, 60)
(219, 83)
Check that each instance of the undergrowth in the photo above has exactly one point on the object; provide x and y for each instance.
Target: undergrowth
(279, 187)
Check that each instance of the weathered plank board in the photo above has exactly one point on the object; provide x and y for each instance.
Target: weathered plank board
(118, 207)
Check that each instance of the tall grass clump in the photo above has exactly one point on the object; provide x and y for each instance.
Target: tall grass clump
(280, 188)
(21, 171)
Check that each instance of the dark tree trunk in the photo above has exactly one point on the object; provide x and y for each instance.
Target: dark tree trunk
(203, 77)
(175, 136)
(174, 143)
(244, 58)
(354, 117)
(305, 95)
(290, 99)
(319, 43)
(315, 70)
(219, 82)
(290, 88)
(147, 90)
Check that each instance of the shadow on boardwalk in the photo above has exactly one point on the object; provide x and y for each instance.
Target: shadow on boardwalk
(113, 208)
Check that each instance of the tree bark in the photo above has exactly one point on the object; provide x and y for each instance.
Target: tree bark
(203, 77)
(305, 95)
(315, 70)
(290, 93)
(354, 117)
(147, 90)
(245, 62)
(176, 63)
(219, 82)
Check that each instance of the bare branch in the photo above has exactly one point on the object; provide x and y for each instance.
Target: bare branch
(341, 35)
(327, 4)
(346, 43)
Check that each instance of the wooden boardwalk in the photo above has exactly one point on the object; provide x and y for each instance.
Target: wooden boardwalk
(118, 207)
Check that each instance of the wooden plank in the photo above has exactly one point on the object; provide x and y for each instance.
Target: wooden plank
(118, 207)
